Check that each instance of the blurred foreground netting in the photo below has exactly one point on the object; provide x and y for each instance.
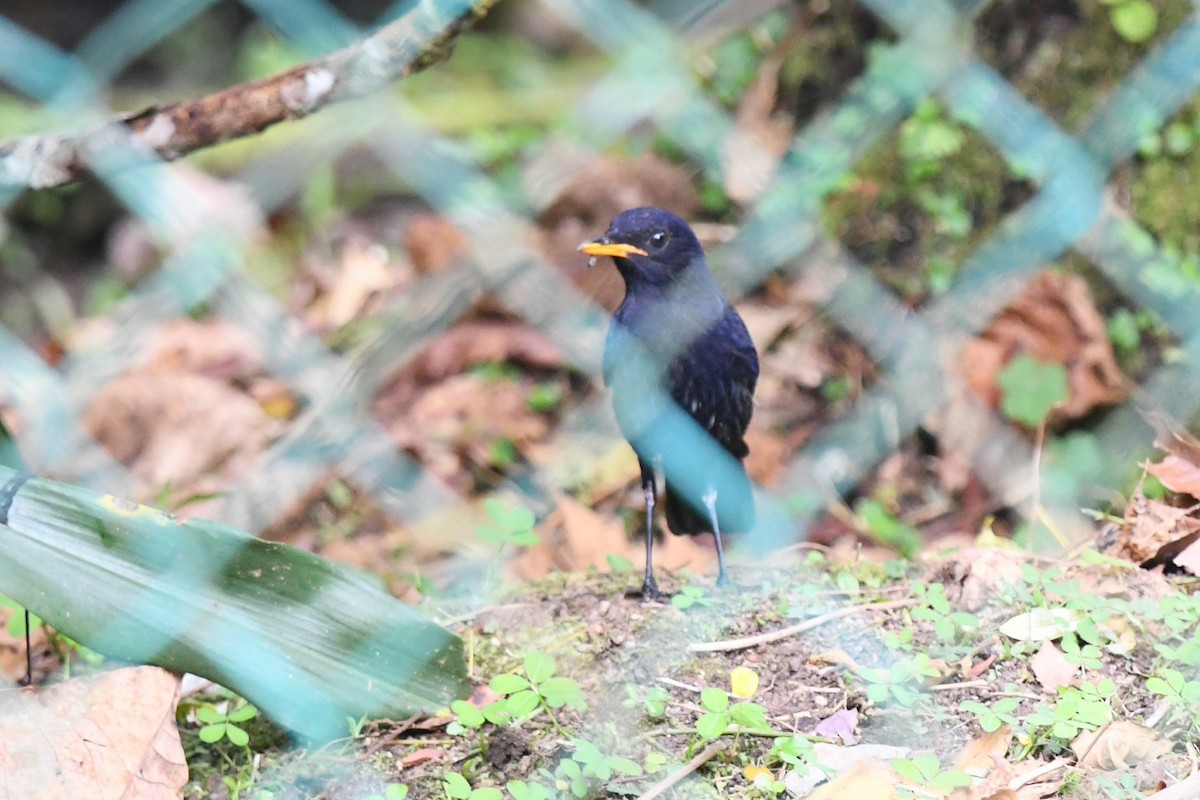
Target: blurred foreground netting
(943, 242)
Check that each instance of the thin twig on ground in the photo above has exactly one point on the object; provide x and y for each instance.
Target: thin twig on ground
(702, 758)
(793, 630)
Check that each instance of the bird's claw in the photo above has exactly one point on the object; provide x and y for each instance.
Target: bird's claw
(652, 594)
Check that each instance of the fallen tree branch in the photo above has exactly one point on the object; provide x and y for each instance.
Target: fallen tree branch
(408, 45)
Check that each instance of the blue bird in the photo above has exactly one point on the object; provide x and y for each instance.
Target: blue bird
(682, 368)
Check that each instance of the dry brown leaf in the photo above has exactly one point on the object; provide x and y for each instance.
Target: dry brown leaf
(575, 537)
(982, 572)
(1177, 474)
(459, 420)
(172, 429)
(474, 343)
(1054, 320)
(211, 347)
(993, 786)
(434, 242)
(838, 658)
(360, 280)
(1119, 745)
(107, 735)
(982, 754)
(425, 754)
(1052, 669)
(873, 779)
(1172, 436)
(1151, 525)
(768, 456)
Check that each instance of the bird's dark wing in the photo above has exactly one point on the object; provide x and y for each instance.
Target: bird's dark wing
(713, 381)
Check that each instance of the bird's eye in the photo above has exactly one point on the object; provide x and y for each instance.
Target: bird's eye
(659, 239)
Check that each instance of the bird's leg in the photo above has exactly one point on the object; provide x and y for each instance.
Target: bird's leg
(710, 502)
(650, 590)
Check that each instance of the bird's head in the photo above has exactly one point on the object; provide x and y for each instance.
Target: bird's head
(648, 245)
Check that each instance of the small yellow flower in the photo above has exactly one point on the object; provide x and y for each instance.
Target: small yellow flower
(753, 771)
(743, 682)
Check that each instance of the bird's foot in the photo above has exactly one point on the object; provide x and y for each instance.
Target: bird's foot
(652, 594)
(723, 581)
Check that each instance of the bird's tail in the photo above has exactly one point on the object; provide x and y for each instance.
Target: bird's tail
(688, 516)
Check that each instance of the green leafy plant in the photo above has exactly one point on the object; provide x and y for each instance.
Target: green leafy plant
(1178, 613)
(691, 596)
(1124, 788)
(502, 453)
(1080, 709)
(218, 724)
(1180, 691)
(898, 640)
(529, 790)
(654, 702)
(1186, 654)
(394, 791)
(795, 751)
(470, 718)
(1134, 20)
(1030, 389)
(936, 609)
(456, 787)
(901, 683)
(587, 767)
(1039, 588)
(992, 717)
(1080, 653)
(508, 526)
(927, 139)
(544, 397)
(887, 528)
(356, 726)
(618, 562)
(925, 770)
(1124, 331)
(723, 717)
(847, 582)
(537, 688)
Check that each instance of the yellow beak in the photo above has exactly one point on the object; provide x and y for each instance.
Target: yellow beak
(615, 250)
